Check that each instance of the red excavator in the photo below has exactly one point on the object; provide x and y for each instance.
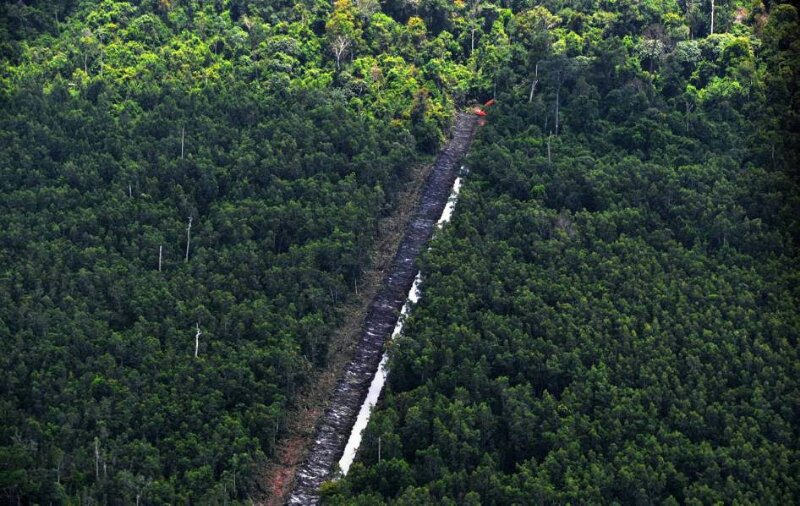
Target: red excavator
(478, 111)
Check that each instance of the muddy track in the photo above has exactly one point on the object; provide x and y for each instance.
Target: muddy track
(335, 425)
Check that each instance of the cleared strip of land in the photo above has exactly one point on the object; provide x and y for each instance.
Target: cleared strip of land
(335, 424)
(301, 421)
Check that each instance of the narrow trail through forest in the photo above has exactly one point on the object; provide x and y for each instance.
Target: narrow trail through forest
(337, 421)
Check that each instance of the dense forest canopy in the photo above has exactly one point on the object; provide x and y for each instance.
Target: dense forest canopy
(611, 316)
(180, 167)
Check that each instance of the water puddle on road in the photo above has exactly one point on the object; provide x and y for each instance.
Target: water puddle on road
(375, 388)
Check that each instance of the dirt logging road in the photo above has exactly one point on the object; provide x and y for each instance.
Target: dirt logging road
(337, 421)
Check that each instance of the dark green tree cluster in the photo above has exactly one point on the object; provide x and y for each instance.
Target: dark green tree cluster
(612, 316)
(170, 168)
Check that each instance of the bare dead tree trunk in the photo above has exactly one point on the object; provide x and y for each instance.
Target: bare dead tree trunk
(58, 469)
(55, 16)
(96, 458)
(472, 41)
(197, 340)
(130, 192)
(534, 83)
(474, 16)
(188, 238)
(339, 45)
(549, 160)
(160, 249)
(712, 17)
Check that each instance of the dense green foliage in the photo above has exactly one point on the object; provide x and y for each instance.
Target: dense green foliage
(612, 316)
(120, 122)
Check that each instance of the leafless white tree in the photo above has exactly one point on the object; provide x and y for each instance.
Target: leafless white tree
(197, 340)
(473, 13)
(534, 83)
(188, 238)
(339, 46)
(712, 17)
